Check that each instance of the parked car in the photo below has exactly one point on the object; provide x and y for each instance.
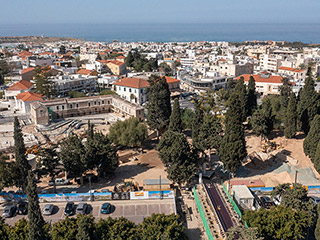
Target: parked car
(60, 181)
(266, 202)
(69, 209)
(82, 208)
(106, 208)
(315, 200)
(48, 209)
(22, 208)
(9, 211)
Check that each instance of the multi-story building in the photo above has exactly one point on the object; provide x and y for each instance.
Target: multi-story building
(296, 74)
(64, 84)
(15, 89)
(265, 84)
(43, 112)
(132, 89)
(270, 62)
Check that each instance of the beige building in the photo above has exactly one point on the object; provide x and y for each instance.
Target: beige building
(116, 67)
(44, 112)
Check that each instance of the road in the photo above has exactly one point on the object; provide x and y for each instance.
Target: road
(134, 210)
(220, 207)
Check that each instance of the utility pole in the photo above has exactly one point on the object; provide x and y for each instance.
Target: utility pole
(296, 177)
(91, 194)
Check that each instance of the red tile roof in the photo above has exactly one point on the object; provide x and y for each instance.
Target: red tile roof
(21, 85)
(47, 53)
(291, 69)
(286, 68)
(247, 182)
(29, 97)
(258, 78)
(132, 82)
(171, 80)
(27, 70)
(24, 54)
(116, 62)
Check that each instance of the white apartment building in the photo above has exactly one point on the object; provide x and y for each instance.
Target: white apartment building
(265, 84)
(75, 82)
(270, 62)
(132, 89)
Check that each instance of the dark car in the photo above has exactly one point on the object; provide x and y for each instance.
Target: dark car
(266, 202)
(9, 211)
(106, 208)
(82, 208)
(69, 209)
(22, 208)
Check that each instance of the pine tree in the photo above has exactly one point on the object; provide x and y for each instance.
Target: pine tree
(22, 166)
(233, 145)
(85, 227)
(291, 117)
(175, 118)
(252, 96)
(36, 222)
(158, 106)
(241, 91)
(311, 141)
(73, 156)
(177, 155)
(308, 105)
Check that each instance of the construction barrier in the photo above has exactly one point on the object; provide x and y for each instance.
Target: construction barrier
(202, 215)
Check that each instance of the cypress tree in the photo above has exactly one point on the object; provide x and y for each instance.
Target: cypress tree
(252, 96)
(196, 125)
(317, 230)
(267, 112)
(21, 163)
(233, 145)
(291, 117)
(259, 123)
(36, 222)
(316, 162)
(308, 105)
(285, 92)
(311, 141)
(158, 106)
(175, 118)
(129, 59)
(241, 91)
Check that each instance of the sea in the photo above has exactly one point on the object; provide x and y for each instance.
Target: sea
(231, 32)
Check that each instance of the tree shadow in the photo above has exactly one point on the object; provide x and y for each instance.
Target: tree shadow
(275, 134)
(300, 135)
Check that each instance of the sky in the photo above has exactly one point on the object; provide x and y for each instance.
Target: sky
(159, 11)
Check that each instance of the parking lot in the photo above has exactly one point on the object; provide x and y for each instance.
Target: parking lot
(134, 210)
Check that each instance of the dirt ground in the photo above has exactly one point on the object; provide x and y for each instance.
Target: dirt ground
(280, 166)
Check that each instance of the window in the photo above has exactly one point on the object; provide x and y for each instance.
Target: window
(62, 107)
(102, 102)
(124, 89)
(95, 103)
(77, 105)
(89, 104)
(57, 107)
(108, 102)
(70, 105)
(129, 89)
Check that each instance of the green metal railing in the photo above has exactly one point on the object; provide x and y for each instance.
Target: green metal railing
(202, 215)
(234, 204)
